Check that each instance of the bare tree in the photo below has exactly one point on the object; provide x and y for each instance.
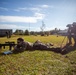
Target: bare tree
(42, 27)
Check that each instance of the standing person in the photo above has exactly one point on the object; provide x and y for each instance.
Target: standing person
(7, 34)
(72, 33)
(69, 36)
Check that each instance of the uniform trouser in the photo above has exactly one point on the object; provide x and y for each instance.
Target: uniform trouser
(74, 37)
(70, 38)
(40, 47)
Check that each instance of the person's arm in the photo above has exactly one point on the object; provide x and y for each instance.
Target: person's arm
(20, 48)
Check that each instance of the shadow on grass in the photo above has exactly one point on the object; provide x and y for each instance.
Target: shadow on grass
(66, 49)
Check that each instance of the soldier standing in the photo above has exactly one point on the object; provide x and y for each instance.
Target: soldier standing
(72, 33)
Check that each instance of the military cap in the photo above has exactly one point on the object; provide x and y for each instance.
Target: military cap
(69, 25)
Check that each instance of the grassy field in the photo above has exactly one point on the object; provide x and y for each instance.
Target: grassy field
(38, 62)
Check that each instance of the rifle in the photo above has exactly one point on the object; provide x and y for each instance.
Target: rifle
(10, 44)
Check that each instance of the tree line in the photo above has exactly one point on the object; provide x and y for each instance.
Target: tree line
(42, 33)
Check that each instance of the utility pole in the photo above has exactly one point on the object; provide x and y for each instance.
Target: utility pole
(29, 27)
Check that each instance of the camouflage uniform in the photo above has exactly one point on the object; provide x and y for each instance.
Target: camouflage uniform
(72, 33)
(38, 45)
(69, 35)
(24, 46)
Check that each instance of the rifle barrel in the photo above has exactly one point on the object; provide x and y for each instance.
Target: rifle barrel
(8, 44)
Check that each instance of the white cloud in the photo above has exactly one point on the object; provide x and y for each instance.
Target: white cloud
(39, 15)
(9, 26)
(25, 8)
(24, 19)
(44, 6)
(17, 19)
(35, 8)
(20, 9)
(13, 26)
(21, 27)
(2, 8)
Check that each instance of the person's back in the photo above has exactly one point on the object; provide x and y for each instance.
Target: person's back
(38, 45)
(29, 46)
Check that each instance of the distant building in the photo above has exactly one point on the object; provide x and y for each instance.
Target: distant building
(62, 32)
(4, 32)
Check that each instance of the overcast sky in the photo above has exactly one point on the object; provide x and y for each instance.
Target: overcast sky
(29, 14)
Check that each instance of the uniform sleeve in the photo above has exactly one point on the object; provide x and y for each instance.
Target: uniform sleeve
(20, 48)
(23, 47)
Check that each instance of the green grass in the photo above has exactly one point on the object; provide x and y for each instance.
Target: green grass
(38, 62)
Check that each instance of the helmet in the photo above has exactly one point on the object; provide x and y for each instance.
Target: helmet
(69, 25)
(74, 24)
